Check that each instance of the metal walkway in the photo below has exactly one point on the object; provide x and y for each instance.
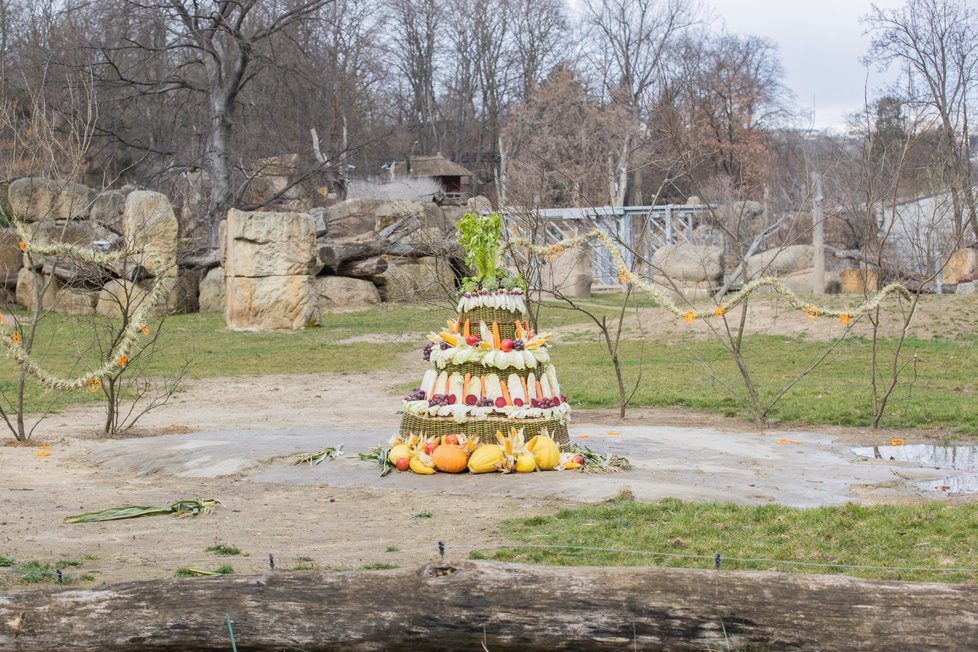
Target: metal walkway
(640, 229)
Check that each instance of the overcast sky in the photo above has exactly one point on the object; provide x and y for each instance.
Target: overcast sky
(820, 43)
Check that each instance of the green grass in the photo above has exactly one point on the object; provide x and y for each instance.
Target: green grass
(928, 535)
(937, 392)
(379, 566)
(226, 569)
(6, 562)
(224, 550)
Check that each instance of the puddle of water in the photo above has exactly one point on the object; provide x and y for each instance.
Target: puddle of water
(956, 458)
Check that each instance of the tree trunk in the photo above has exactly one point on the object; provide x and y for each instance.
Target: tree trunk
(497, 607)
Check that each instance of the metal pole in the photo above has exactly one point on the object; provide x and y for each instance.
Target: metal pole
(818, 236)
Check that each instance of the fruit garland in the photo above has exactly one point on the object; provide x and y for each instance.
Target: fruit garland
(10, 338)
(625, 276)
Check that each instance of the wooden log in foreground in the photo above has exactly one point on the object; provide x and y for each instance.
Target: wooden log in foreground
(501, 606)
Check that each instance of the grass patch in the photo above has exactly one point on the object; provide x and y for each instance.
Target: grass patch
(423, 515)
(7, 562)
(380, 565)
(392, 549)
(938, 391)
(226, 569)
(224, 550)
(929, 535)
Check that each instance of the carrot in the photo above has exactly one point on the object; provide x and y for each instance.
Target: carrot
(466, 331)
(519, 330)
(482, 386)
(540, 391)
(526, 394)
(506, 396)
(457, 326)
(465, 382)
(495, 336)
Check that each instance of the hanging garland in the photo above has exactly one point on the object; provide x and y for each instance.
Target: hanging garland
(625, 276)
(10, 338)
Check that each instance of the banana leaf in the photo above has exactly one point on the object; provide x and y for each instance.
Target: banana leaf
(189, 507)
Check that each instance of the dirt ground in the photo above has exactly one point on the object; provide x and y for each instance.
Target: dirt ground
(321, 526)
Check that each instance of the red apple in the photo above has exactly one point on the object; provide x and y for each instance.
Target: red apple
(506, 345)
(471, 399)
(579, 459)
(451, 399)
(472, 340)
(451, 439)
(430, 447)
(518, 402)
(402, 464)
(500, 402)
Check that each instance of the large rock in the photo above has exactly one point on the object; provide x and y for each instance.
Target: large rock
(413, 279)
(395, 210)
(212, 294)
(962, 263)
(803, 282)
(687, 262)
(118, 298)
(75, 301)
(108, 209)
(351, 217)
(270, 244)
(149, 221)
(179, 293)
(10, 259)
(781, 261)
(27, 281)
(337, 293)
(34, 198)
(569, 274)
(858, 281)
(683, 291)
(271, 303)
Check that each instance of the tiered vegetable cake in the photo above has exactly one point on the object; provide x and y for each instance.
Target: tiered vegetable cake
(489, 370)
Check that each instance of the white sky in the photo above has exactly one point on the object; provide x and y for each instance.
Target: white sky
(820, 43)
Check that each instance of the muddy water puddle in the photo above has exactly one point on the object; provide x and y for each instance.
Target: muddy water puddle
(963, 460)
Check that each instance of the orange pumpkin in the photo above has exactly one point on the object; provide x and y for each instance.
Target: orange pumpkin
(450, 458)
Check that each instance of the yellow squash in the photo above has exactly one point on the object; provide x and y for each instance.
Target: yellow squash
(486, 459)
(545, 452)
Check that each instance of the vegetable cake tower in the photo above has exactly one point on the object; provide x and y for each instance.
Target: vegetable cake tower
(489, 370)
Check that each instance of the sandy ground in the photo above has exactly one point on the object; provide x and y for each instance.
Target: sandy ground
(307, 517)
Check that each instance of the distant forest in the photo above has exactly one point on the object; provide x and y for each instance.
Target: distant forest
(603, 102)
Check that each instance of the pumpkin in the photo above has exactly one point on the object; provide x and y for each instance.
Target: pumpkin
(450, 458)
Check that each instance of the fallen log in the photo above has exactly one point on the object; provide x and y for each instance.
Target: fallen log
(395, 240)
(499, 606)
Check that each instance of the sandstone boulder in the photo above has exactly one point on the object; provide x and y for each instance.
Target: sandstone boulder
(337, 293)
(413, 279)
(108, 209)
(392, 211)
(10, 259)
(569, 274)
(27, 284)
(76, 301)
(962, 263)
(35, 198)
(270, 244)
(781, 261)
(118, 298)
(967, 288)
(271, 303)
(687, 262)
(149, 221)
(683, 291)
(350, 218)
(212, 295)
(858, 281)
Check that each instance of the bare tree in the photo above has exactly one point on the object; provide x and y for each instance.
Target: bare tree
(629, 42)
(415, 33)
(211, 49)
(936, 44)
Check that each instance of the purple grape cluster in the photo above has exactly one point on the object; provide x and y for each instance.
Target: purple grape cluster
(438, 400)
(519, 345)
(417, 394)
(426, 351)
(548, 402)
(445, 346)
(485, 402)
